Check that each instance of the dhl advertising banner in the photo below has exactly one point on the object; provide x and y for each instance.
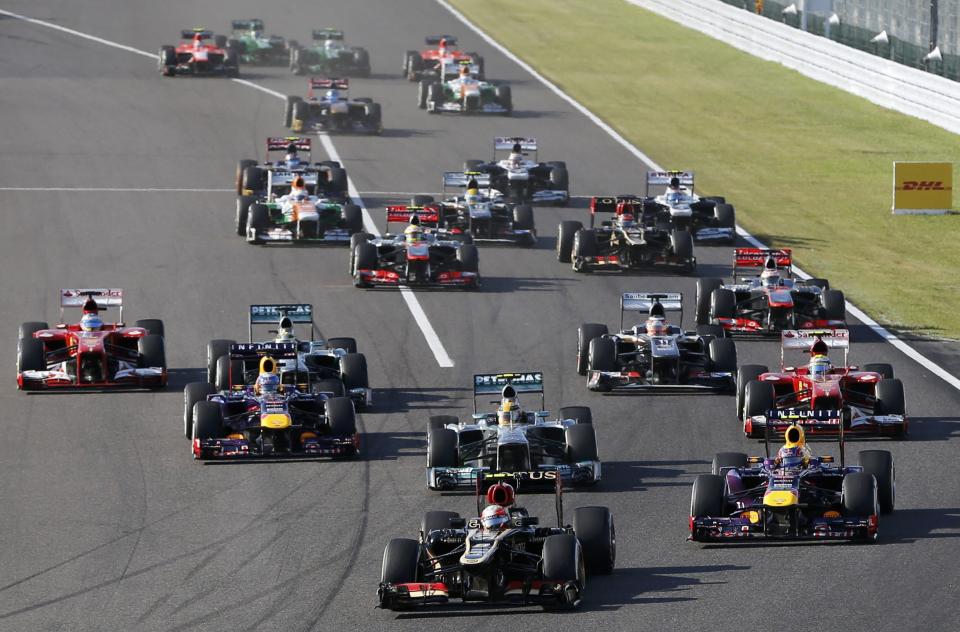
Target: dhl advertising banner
(922, 187)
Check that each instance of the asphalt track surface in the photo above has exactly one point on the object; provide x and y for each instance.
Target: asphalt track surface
(109, 524)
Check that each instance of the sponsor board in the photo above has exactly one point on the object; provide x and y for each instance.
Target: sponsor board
(922, 188)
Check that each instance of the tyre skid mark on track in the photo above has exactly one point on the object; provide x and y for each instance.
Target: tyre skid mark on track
(881, 331)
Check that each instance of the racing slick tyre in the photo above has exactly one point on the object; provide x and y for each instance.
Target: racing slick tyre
(584, 245)
(706, 499)
(352, 218)
(373, 115)
(243, 212)
(436, 520)
(361, 60)
(257, 220)
(880, 464)
(422, 92)
(150, 349)
(563, 562)
(504, 98)
(723, 353)
(559, 179)
(557, 163)
(355, 240)
(194, 392)
(231, 63)
(581, 443)
(580, 414)
(229, 373)
(889, 395)
(31, 355)
(473, 165)
(216, 349)
(440, 421)
(329, 386)
(167, 61)
(299, 115)
(823, 284)
(727, 460)
(347, 344)
(435, 96)
(28, 328)
(834, 305)
(337, 181)
(565, 236)
(586, 333)
(602, 355)
(723, 304)
(401, 561)
(288, 109)
(885, 370)
(442, 450)
(241, 167)
(341, 416)
(364, 258)
(758, 398)
(152, 325)
(745, 374)
(220, 41)
(859, 495)
(469, 258)
(421, 200)
(523, 217)
(253, 180)
(207, 420)
(353, 371)
(681, 242)
(594, 527)
(725, 215)
(705, 288)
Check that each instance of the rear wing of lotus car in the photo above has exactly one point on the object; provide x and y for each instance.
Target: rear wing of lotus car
(658, 179)
(246, 25)
(748, 262)
(460, 179)
(434, 40)
(428, 215)
(103, 297)
(536, 481)
(189, 34)
(809, 340)
(270, 314)
(324, 35)
(508, 143)
(610, 204)
(643, 301)
(493, 384)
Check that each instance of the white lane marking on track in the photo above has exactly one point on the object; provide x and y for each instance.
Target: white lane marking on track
(416, 310)
(110, 190)
(884, 333)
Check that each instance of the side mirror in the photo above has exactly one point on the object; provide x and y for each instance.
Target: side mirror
(753, 460)
(826, 459)
(526, 521)
(458, 523)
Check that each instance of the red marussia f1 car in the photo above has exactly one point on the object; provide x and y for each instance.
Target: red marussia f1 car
(867, 400)
(194, 57)
(430, 62)
(91, 353)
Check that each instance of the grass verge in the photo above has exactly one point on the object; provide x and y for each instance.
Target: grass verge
(807, 166)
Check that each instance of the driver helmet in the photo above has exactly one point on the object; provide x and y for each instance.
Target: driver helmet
(267, 382)
(656, 326)
(285, 330)
(494, 518)
(794, 452)
(292, 158)
(332, 95)
(472, 196)
(298, 190)
(443, 46)
(509, 411)
(770, 278)
(674, 183)
(413, 233)
(819, 366)
(197, 41)
(91, 322)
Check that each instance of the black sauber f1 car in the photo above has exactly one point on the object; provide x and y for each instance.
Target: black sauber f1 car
(792, 497)
(500, 556)
(765, 299)
(655, 355)
(289, 420)
(633, 240)
(426, 257)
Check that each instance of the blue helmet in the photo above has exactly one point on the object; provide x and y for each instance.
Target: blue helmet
(268, 383)
(91, 322)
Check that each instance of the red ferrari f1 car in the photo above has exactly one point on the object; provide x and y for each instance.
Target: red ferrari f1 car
(91, 353)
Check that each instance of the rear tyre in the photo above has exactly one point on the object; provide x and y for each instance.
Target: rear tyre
(192, 393)
(581, 443)
(727, 460)
(31, 355)
(586, 333)
(602, 355)
(723, 353)
(442, 448)
(707, 497)
(594, 527)
(401, 561)
(353, 371)
(152, 325)
(565, 237)
(705, 288)
(207, 420)
(341, 416)
(151, 351)
(880, 464)
(890, 399)
(581, 414)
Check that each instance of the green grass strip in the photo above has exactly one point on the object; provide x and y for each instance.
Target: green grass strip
(807, 166)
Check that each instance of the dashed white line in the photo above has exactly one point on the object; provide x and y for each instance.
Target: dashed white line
(416, 310)
(884, 333)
